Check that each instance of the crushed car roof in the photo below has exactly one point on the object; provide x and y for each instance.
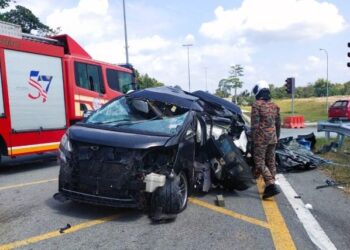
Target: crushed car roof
(218, 101)
(170, 95)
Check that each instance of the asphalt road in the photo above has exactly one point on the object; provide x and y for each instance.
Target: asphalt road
(30, 218)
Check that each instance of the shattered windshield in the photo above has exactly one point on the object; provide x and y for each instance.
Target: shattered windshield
(140, 115)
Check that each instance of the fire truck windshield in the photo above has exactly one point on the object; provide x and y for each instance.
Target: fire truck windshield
(119, 81)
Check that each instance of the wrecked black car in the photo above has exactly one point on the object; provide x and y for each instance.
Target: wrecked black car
(151, 148)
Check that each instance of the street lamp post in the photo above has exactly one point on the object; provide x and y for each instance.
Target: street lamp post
(125, 35)
(325, 51)
(188, 64)
(206, 80)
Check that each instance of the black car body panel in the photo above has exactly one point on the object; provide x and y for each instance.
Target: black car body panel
(218, 101)
(169, 95)
(114, 138)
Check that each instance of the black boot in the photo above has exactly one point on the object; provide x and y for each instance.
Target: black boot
(270, 191)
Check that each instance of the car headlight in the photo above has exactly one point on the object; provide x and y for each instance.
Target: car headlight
(65, 143)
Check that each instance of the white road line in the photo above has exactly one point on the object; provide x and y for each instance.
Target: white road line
(312, 227)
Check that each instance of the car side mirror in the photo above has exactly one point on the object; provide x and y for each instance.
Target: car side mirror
(141, 106)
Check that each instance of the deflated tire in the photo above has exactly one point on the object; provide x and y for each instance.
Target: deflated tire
(170, 199)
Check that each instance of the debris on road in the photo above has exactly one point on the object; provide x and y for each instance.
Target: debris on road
(331, 183)
(333, 146)
(308, 206)
(62, 229)
(220, 201)
(291, 155)
(311, 138)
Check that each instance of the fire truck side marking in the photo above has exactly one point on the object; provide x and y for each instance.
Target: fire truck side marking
(33, 148)
(35, 81)
(88, 98)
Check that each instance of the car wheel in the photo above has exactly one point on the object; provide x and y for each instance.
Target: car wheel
(183, 189)
(170, 199)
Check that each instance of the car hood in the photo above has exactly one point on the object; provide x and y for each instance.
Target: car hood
(115, 138)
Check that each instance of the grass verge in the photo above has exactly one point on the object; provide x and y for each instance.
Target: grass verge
(339, 173)
(313, 109)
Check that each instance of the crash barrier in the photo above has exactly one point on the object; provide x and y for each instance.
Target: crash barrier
(342, 129)
(294, 121)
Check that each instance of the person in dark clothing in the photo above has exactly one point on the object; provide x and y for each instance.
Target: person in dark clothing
(266, 125)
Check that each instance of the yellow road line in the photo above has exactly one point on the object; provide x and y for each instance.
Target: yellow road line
(279, 230)
(229, 213)
(27, 184)
(56, 233)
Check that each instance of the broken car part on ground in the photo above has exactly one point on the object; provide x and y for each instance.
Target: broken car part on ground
(295, 154)
(151, 148)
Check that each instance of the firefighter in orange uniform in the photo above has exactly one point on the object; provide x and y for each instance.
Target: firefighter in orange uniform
(266, 125)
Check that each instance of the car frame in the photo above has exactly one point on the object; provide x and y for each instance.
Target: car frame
(142, 164)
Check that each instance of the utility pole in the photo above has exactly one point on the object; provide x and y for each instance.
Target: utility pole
(206, 79)
(125, 35)
(188, 64)
(325, 51)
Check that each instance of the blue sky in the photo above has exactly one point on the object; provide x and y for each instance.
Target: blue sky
(271, 39)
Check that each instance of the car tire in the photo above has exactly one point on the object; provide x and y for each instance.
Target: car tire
(171, 199)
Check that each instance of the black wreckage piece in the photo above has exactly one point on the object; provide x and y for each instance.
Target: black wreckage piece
(290, 155)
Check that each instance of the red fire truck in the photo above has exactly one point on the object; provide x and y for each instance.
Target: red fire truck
(46, 84)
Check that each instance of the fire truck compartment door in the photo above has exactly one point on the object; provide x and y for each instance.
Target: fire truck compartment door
(2, 112)
(36, 91)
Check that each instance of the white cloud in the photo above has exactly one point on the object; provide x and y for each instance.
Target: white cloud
(189, 39)
(148, 44)
(312, 63)
(112, 51)
(88, 20)
(314, 60)
(275, 19)
(292, 69)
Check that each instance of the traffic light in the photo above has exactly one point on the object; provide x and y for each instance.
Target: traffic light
(348, 55)
(290, 84)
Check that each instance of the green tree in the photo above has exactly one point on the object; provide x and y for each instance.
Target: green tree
(233, 81)
(346, 90)
(220, 93)
(278, 92)
(245, 98)
(27, 20)
(144, 81)
(4, 3)
(321, 87)
(224, 88)
(305, 92)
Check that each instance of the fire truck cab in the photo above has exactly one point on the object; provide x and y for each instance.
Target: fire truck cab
(46, 84)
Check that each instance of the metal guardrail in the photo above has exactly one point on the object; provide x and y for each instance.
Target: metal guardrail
(342, 129)
(335, 127)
